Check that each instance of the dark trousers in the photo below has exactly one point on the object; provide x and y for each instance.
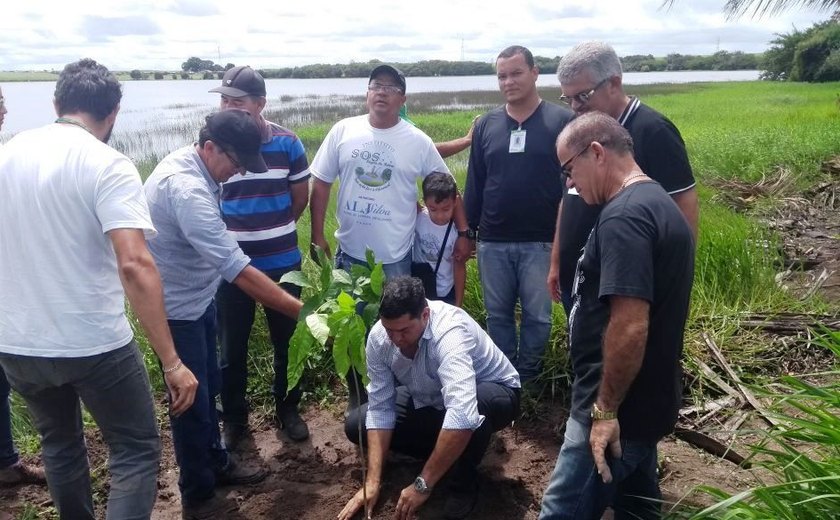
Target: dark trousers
(417, 429)
(8, 454)
(235, 312)
(195, 434)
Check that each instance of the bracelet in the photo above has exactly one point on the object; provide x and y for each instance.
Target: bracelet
(173, 368)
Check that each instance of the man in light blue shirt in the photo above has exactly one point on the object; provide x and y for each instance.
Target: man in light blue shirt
(439, 387)
(194, 251)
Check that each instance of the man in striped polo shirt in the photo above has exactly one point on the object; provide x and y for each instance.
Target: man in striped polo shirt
(260, 210)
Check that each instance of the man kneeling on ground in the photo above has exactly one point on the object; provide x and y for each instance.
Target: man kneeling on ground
(439, 387)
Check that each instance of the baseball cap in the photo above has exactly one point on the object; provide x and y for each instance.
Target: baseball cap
(236, 130)
(241, 81)
(394, 72)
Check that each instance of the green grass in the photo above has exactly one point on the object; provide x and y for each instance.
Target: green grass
(19, 75)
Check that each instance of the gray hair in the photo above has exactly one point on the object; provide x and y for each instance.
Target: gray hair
(598, 127)
(594, 56)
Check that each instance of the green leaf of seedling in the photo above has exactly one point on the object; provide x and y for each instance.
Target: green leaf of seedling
(371, 260)
(346, 302)
(370, 314)
(341, 351)
(295, 278)
(340, 276)
(318, 327)
(358, 271)
(338, 320)
(300, 346)
(377, 279)
(321, 256)
(309, 306)
(356, 329)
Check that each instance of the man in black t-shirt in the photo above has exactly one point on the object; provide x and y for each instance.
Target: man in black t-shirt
(630, 303)
(512, 192)
(590, 77)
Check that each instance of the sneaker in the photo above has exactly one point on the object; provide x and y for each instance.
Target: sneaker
(215, 507)
(291, 421)
(20, 473)
(461, 501)
(238, 473)
(232, 434)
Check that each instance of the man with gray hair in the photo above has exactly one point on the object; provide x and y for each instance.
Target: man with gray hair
(73, 228)
(632, 290)
(590, 76)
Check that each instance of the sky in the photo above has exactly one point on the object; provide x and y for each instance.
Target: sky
(162, 34)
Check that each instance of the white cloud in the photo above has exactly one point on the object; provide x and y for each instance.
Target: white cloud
(161, 34)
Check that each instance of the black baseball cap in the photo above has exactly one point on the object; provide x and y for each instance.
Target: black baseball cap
(394, 72)
(241, 81)
(236, 131)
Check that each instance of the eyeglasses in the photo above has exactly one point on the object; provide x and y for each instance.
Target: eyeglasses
(387, 89)
(236, 164)
(564, 168)
(583, 97)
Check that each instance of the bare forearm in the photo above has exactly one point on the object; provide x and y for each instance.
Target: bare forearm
(460, 214)
(460, 275)
(378, 443)
(263, 289)
(555, 244)
(449, 148)
(689, 204)
(318, 208)
(624, 349)
(300, 199)
(450, 445)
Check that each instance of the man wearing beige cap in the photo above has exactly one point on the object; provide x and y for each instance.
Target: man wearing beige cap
(261, 211)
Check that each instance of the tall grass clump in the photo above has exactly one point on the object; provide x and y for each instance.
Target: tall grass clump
(802, 454)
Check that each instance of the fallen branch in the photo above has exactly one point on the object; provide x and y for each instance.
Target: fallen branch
(755, 403)
(716, 379)
(708, 406)
(710, 445)
(791, 323)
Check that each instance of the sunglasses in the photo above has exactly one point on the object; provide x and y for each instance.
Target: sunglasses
(583, 97)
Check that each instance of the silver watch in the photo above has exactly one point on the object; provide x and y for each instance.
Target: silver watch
(421, 487)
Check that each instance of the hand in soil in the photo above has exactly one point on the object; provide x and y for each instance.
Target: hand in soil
(410, 501)
(605, 434)
(358, 501)
(182, 385)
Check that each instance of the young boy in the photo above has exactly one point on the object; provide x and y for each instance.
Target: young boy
(439, 194)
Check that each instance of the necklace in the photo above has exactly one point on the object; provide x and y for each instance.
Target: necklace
(628, 179)
(68, 121)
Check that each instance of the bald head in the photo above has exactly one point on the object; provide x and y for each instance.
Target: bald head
(596, 127)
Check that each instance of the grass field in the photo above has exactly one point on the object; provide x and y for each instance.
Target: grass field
(732, 131)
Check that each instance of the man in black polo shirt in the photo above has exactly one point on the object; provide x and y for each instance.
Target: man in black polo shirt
(512, 192)
(630, 303)
(590, 77)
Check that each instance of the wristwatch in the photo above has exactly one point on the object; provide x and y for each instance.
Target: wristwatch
(420, 486)
(601, 415)
(468, 233)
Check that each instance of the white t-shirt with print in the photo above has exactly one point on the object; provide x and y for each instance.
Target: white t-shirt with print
(428, 237)
(378, 172)
(63, 190)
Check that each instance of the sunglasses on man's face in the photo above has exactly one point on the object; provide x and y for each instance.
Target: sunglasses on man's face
(583, 97)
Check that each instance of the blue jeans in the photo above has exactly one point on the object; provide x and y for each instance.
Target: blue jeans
(511, 272)
(398, 268)
(8, 453)
(235, 313)
(576, 491)
(115, 388)
(195, 434)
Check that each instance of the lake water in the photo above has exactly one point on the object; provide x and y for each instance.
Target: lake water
(147, 105)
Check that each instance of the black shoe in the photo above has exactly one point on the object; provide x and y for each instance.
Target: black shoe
(232, 434)
(291, 421)
(238, 473)
(215, 507)
(461, 501)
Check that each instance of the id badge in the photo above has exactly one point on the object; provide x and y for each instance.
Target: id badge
(517, 141)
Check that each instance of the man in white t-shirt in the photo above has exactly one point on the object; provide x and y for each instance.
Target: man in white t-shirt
(378, 158)
(72, 247)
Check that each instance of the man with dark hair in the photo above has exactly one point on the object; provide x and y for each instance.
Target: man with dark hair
(632, 289)
(194, 251)
(72, 226)
(513, 189)
(590, 76)
(261, 211)
(438, 388)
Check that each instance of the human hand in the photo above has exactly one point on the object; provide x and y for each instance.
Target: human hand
(358, 501)
(472, 126)
(605, 434)
(553, 282)
(323, 244)
(410, 500)
(182, 386)
(464, 249)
